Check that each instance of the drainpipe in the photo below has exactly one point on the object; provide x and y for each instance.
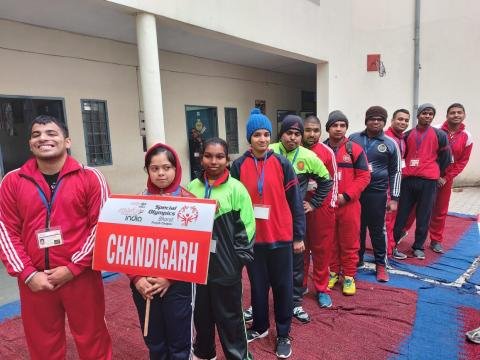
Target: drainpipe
(416, 62)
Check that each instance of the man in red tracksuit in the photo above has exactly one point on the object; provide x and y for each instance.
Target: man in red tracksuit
(321, 222)
(399, 124)
(48, 215)
(461, 144)
(353, 177)
(427, 156)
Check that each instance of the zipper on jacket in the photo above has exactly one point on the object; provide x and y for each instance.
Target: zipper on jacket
(48, 206)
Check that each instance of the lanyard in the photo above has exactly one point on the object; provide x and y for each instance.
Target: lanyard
(294, 156)
(176, 192)
(261, 178)
(368, 143)
(48, 204)
(419, 141)
(208, 190)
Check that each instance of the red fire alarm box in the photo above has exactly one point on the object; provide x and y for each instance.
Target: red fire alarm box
(373, 61)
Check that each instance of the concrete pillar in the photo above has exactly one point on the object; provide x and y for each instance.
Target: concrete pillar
(150, 86)
(322, 93)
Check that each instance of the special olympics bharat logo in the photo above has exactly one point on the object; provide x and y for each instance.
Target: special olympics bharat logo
(187, 214)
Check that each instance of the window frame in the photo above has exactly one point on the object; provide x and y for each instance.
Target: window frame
(105, 142)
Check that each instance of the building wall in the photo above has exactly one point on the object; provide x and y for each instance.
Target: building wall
(342, 33)
(188, 80)
(40, 62)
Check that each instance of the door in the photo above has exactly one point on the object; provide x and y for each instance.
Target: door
(202, 124)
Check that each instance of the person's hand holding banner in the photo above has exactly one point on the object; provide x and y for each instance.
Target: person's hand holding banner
(157, 237)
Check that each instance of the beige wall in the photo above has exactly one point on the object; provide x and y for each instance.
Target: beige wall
(342, 33)
(43, 62)
(192, 81)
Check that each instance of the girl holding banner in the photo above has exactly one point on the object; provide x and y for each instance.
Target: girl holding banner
(170, 302)
(219, 302)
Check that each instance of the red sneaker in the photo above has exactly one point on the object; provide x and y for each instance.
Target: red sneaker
(382, 274)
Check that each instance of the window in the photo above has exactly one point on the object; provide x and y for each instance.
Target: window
(231, 129)
(97, 134)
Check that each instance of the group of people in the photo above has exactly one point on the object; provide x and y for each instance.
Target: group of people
(280, 207)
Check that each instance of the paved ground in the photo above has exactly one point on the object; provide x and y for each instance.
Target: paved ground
(464, 201)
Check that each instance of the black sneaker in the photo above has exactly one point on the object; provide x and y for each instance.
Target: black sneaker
(398, 254)
(436, 247)
(419, 254)
(253, 335)
(248, 315)
(301, 315)
(284, 348)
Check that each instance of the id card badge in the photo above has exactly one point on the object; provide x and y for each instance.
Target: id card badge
(403, 163)
(49, 237)
(339, 175)
(261, 211)
(370, 167)
(414, 162)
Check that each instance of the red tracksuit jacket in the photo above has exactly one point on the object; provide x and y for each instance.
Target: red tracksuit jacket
(461, 144)
(328, 158)
(429, 147)
(353, 173)
(79, 195)
(281, 191)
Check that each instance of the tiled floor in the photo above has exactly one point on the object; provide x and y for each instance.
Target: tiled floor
(463, 200)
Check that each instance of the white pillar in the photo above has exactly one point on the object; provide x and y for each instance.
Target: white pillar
(323, 93)
(150, 86)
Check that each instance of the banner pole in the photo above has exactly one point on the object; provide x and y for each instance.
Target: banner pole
(147, 318)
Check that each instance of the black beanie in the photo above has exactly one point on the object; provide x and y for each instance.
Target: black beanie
(335, 116)
(376, 111)
(291, 122)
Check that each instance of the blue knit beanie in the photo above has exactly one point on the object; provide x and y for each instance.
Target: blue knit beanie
(257, 121)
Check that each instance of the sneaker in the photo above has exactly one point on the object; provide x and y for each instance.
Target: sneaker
(349, 286)
(403, 236)
(284, 348)
(398, 254)
(324, 300)
(474, 335)
(382, 274)
(301, 315)
(248, 315)
(332, 280)
(254, 335)
(419, 254)
(436, 247)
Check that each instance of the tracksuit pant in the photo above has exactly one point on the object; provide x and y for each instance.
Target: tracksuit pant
(43, 315)
(440, 211)
(390, 218)
(347, 239)
(421, 193)
(319, 239)
(298, 288)
(373, 217)
(271, 268)
(170, 322)
(221, 306)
